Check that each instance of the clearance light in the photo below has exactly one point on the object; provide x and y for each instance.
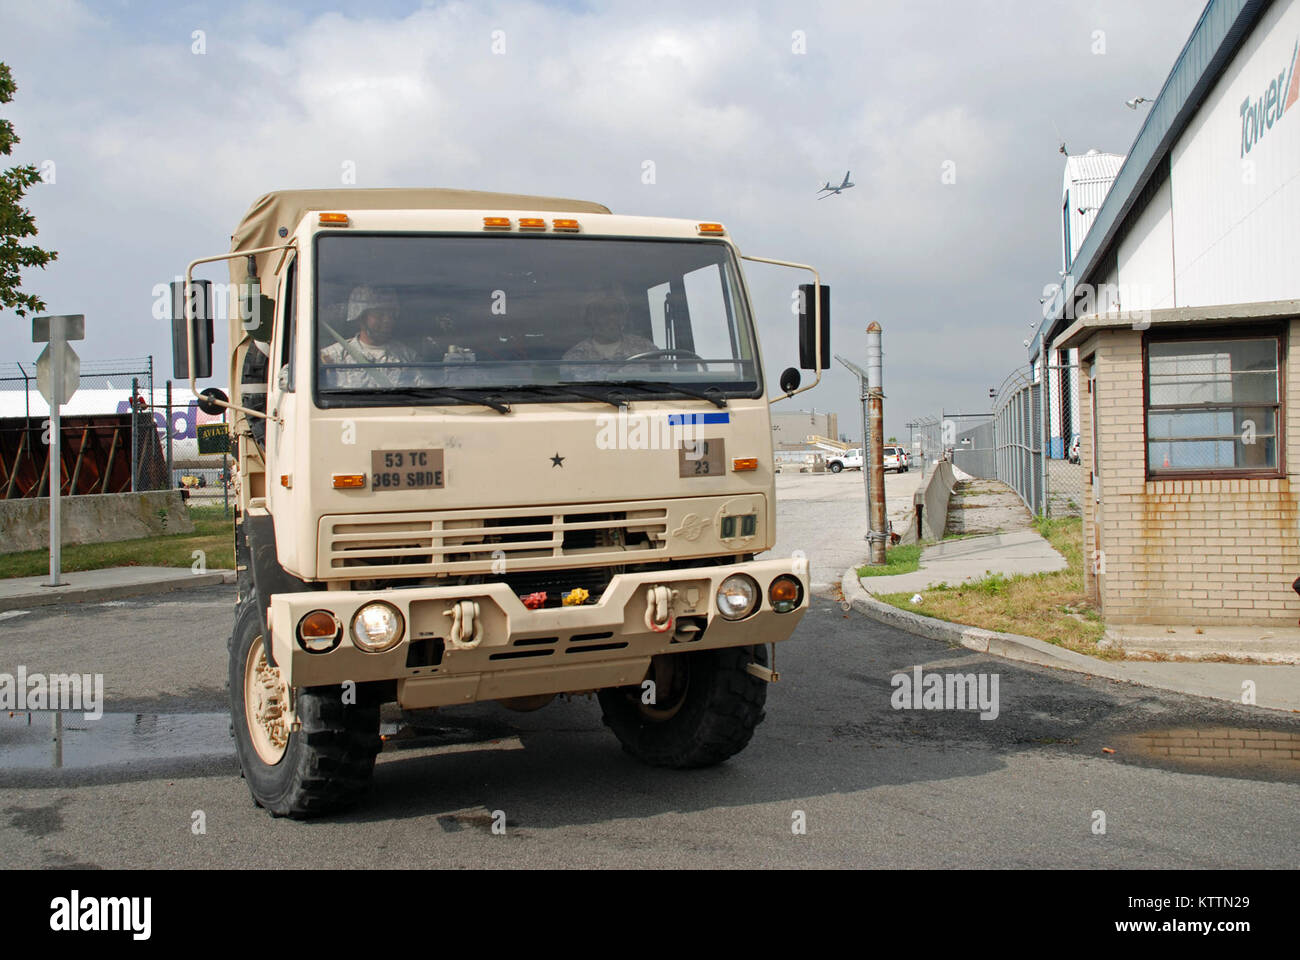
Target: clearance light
(532, 223)
(319, 632)
(496, 223)
(710, 228)
(349, 481)
(569, 225)
(333, 219)
(786, 593)
(746, 463)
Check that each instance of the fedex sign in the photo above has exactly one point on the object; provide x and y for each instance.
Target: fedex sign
(1258, 115)
(184, 419)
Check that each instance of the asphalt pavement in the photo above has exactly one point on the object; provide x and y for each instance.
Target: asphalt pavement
(875, 782)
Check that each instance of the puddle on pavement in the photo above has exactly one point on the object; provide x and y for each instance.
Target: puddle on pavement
(1248, 751)
(48, 740)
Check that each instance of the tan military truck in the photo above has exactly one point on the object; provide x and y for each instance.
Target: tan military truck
(492, 447)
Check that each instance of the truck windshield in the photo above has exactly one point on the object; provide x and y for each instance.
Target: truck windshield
(522, 316)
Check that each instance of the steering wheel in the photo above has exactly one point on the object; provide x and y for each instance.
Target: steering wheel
(671, 351)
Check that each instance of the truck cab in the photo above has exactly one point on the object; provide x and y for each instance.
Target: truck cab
(494, 447)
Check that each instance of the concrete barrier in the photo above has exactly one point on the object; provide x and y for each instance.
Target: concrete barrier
(102, 518)
(931, 500)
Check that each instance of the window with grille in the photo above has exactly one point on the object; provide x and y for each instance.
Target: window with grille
(1213, 405)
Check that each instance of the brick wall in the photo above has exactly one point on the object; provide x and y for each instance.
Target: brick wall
(1184, 551)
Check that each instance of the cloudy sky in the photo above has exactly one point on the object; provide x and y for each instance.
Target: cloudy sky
(160, 138)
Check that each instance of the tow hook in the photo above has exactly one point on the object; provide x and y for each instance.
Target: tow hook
(766, 674)
(465, 622)
(659, 609)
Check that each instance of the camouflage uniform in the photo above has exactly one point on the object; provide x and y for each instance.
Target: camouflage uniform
(357, 378)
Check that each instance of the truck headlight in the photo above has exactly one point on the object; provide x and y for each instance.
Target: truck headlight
(377, 627)
(737, 596)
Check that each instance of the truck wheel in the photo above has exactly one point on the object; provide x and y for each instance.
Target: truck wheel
(707, 706)
(836, 466)
(320, 768)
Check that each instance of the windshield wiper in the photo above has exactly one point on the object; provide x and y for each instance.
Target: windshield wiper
(573, 391)
(712, 394)
(492, 399)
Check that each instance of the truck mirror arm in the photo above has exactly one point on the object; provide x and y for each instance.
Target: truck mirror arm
(817, 320)
(189, 322)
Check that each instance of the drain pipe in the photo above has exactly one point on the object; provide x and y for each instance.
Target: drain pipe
(877, 535)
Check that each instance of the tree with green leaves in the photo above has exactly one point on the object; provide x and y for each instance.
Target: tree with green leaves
(16, 222)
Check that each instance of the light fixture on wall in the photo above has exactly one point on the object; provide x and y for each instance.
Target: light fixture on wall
(1133, 104)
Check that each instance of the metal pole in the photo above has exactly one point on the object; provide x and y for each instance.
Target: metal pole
(135, 445)
(1044, 381)
(171, 479)
(876, 409)
(225, 488)
(56, 451)
(27, 396)
(866, 471)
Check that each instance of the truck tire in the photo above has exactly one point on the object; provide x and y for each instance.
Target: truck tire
(322, 767)
(709, 713)
(836, 466)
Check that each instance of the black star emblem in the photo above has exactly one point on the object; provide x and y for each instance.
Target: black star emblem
(557, 460)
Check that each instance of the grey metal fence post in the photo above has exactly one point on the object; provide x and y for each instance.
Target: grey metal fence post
(1044, 391)
(135, 440)
(171, 479)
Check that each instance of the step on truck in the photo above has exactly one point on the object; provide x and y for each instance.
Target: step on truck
(492, 447)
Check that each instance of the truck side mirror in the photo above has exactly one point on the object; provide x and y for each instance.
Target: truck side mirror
(200, 329)
(808, 331)
(790, 380)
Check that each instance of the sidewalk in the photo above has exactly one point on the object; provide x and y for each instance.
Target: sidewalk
(956, 561)
(1274, 686)
(22, 593)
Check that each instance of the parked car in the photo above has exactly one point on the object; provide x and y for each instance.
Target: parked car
(849, 460)
(896, 458)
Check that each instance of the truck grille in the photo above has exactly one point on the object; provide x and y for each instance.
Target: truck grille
(472, 541)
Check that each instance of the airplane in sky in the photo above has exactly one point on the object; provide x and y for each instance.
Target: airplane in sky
(835, 190)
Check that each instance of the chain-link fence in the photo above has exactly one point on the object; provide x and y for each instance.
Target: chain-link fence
(107, 388)
(1035, 439)
(926, 440)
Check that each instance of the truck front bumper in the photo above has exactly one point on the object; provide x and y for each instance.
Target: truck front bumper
(522, 652)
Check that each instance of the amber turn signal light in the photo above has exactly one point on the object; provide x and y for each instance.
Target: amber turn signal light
(319, 631)
(786, 593)
(745, 463)
(349, 481)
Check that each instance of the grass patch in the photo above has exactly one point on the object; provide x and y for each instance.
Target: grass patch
(1049, 606)
(213, 534)
(903, 558)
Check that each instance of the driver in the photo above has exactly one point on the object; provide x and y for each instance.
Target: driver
(605, 319)
(373, 311)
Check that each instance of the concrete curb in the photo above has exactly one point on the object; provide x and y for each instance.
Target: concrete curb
(49, 596)
(1009, 646)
